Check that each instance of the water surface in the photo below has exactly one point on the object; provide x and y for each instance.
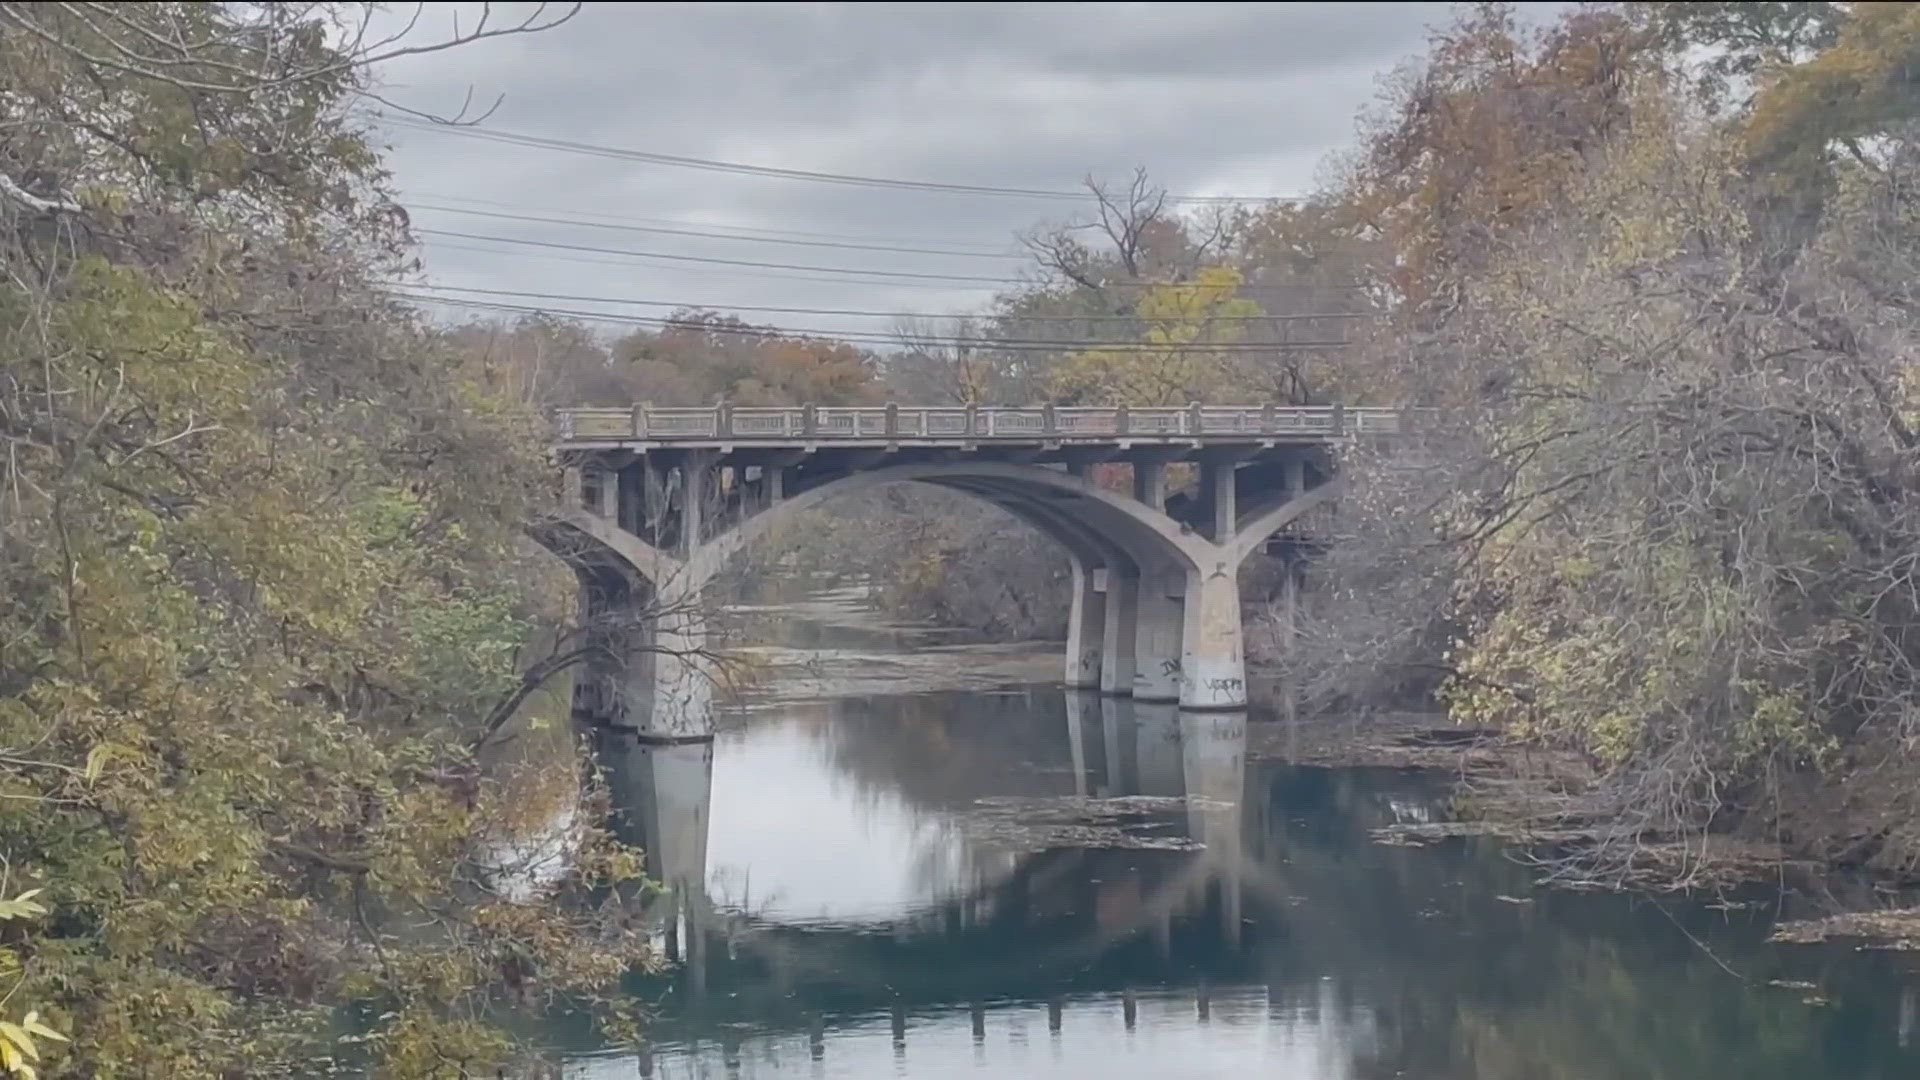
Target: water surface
(1031, 883)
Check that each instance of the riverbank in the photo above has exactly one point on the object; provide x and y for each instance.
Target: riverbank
(1844, 843)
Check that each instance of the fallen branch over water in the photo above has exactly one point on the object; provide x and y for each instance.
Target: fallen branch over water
(1893, 928)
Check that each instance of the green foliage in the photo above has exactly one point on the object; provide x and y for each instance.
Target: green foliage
(18, 1051)
(1169, 364)
(1740, 40)
(1865, 83)
(701, 356)
(1684, 521)
(259, 536)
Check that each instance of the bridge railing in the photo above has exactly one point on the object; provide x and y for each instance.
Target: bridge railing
(824, 423)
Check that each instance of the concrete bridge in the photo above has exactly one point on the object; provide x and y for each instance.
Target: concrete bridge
(657, 500)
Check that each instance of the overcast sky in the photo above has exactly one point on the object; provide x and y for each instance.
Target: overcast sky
(1212, 99)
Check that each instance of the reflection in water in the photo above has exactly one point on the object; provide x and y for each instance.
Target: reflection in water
(842, 914)
(800, 841)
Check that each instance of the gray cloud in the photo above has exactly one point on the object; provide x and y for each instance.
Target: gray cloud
(1210, 98)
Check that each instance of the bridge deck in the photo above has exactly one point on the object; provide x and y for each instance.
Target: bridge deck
(643, 426)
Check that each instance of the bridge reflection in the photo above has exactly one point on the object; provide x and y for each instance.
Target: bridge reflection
(1047, 918)
(1251, 921)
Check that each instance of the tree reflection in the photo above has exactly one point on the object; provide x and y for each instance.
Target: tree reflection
(1436, 962)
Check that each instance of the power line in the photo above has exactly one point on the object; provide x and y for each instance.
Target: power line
(682, 305)
(741, 168)
(898, 274)
(716, 261)
(703, 234)
(870, 338)
(771, 275)
(686, 224)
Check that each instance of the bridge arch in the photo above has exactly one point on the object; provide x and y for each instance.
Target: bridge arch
(1155, 603)
(1142, 533)
(1096, 526)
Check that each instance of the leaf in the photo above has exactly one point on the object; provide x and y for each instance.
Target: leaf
(32, 1023)
(22, 906)
(17, 1035)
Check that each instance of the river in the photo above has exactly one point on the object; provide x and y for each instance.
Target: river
(974, 880)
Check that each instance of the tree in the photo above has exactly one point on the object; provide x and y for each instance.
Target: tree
(259, 539)
(701, 356)
(1175, 360)
(952, 365)
(1738, 44)
(1680, 513)
(1859, 88)
(1485, 133)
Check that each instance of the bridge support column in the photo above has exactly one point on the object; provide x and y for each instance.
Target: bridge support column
(1156, 650)
(1086, 626)
(1213, 668)
(1116, 649)
(682, 683)
(600, 689)
(647, 675)
(1218, 492)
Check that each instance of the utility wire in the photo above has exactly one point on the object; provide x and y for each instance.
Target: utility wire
(555, 245)
(920, 315)
(771, 275)
(868, 337)
(683, 223)
(706, 235)
(903, 274)
(741, 168)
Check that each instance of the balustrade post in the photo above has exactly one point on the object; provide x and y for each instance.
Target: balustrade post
(1193, 418)
(1267, 420)
(809, 423)
(1339, 423)
(972, 419)
(1049, 422)
(723, 419)
(893, 419)
(1122, 419)
(639, 419)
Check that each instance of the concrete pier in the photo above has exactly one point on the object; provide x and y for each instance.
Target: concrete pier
(1159, 616)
